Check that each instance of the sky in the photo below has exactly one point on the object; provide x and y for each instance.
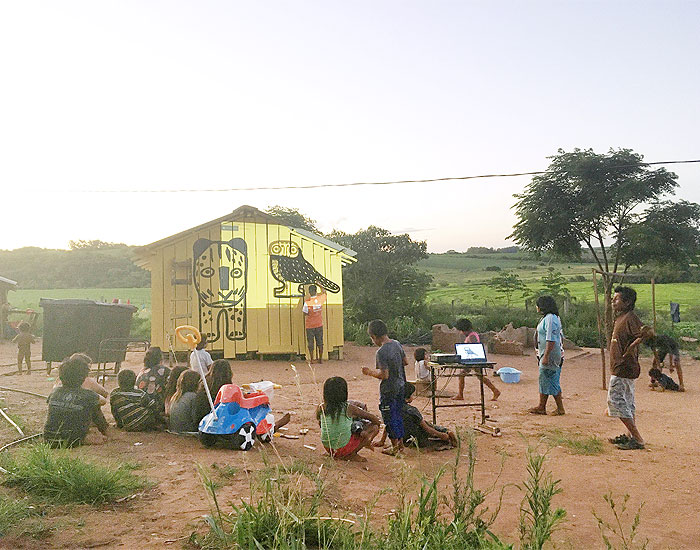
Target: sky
(102, 101)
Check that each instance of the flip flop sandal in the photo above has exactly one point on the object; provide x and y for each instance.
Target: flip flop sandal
(622, 438)
(630, 445)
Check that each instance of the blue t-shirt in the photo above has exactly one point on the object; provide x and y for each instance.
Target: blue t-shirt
(391, 357)
(549, 330)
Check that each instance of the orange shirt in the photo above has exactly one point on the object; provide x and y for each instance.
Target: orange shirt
(313, 311)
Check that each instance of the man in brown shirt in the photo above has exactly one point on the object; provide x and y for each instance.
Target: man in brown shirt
(628, 333)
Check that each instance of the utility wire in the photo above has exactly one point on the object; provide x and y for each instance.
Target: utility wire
(355, 184)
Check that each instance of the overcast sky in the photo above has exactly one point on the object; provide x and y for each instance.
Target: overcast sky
(148, 95)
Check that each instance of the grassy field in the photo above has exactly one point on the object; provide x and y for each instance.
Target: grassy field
(29, 298)
(464, 278)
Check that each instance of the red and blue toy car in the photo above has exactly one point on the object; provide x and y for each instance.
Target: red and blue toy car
(238, 419)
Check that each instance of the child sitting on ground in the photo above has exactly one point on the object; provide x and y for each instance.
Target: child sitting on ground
(24, 341)
(183, 407)
(89, 383)
(419, 432)
(133, 409)
(422, 371)
(662, 381)
(335, 416)
(72, 409)
(171, 386)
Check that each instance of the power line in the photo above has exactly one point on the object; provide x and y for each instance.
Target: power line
(357, 183)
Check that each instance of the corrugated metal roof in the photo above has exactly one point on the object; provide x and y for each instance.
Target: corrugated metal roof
(8, 281)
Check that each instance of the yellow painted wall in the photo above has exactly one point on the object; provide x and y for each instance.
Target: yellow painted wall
(272, 324)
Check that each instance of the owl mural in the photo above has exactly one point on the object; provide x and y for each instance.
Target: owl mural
(287, 265)
(220, 278)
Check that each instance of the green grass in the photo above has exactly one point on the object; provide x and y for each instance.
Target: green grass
(462, 278)
(58, 477)
(576, 443)
(29, 298)
(12, 511)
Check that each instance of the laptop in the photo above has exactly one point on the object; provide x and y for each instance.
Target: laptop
(470, 353)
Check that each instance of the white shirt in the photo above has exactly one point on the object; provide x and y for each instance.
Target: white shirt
(422, 372)
(205, 360)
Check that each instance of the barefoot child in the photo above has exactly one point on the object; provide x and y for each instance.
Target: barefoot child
(336, 416)
(390, 369)
(472, 337)
(417, 431)
(24, 341)
(422, 371)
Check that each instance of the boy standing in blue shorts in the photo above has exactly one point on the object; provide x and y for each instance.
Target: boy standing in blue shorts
(390, 369)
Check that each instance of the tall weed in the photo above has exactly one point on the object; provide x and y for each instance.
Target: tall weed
(614, 534)
(538, 520)
(58, 477)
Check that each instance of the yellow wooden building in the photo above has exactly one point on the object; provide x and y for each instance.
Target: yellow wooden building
(241, 279)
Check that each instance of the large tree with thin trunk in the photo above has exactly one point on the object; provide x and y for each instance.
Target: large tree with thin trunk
(592, 199)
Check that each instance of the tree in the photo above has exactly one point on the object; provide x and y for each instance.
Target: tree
(507, 283)
(554, 284)
(384, 282)
(93, 245)
(293, 218)
(590, 198)
(667, 234)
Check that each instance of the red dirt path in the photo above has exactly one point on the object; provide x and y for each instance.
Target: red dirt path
(664, 476)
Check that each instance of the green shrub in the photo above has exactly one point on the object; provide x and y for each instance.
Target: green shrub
(58, 477)
(141, 326)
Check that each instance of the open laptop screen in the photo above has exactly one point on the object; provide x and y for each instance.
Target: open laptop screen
(471, 353)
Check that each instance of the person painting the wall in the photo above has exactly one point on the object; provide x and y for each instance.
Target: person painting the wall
(313, 321)
(628, 334)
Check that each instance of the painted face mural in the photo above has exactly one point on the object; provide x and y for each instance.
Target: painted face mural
(287, 265)
(220, 278)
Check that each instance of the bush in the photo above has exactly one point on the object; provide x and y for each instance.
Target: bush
(60, 478)
(141, 326)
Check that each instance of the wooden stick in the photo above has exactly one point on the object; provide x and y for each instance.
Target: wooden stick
(24, 391)
(653, 301)
(600, 328)
(6, 417)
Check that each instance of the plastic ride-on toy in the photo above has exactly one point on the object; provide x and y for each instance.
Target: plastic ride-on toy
(237, 419)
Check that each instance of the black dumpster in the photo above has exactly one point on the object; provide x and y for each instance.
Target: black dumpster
(72, 326)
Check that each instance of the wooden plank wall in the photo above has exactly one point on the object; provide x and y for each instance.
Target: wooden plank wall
(273, 325)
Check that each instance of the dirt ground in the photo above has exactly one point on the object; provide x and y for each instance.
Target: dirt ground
(664, 476)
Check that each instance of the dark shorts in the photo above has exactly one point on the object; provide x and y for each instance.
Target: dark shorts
(314, 334)
(392, 417)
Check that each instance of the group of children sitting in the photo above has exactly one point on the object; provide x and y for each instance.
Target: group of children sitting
(157, 398)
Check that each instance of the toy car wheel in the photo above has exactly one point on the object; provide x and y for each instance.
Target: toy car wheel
(266, 437)
(245, 438)
(208, 440)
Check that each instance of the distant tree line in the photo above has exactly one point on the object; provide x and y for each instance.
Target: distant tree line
(89, 264)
